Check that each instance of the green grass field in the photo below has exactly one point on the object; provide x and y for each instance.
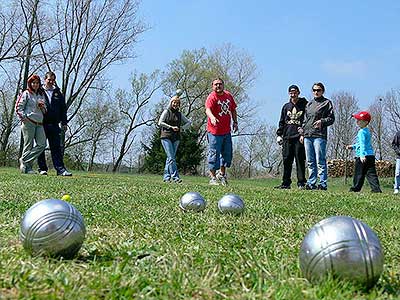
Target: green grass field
(139, 244)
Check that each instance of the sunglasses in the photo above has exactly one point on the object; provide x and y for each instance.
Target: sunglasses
(317, 90)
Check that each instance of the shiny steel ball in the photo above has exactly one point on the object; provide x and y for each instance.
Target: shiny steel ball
(192, 201)
(231, 203)
(344, 247)
(178, 92)
(52, 227)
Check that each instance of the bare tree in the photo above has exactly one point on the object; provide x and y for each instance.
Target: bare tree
(11, 33)
(134, 111)
(343, 131)
(391, 103)
(93, 35)
(379, 128)
(93, 125)
(272, 159)
(255, 151)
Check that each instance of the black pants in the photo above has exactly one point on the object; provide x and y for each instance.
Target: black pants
(293, 149)
(362, 170)
(53, 135)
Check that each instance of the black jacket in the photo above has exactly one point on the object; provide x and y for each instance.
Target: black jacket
(292, 116)
(396, 144)
(56, 108)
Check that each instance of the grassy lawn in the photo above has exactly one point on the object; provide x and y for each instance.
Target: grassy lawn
(139, 245)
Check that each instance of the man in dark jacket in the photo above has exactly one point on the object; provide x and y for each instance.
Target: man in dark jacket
(396, 148)
(292, 116)
(56, 114)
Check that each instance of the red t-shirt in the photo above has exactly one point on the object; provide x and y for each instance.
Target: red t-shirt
(221, 107)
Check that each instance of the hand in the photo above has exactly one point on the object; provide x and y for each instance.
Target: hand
(279, 140)
(42, 106)
(175, 128)
(300, 130)
(363, 159)
(235, 126)
(301, 139)
(214, 120)
(348, 147)
(317, 124)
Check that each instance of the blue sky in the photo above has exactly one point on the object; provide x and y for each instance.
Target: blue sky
(348, 45)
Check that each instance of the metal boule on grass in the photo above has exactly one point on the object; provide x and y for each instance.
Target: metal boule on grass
(192, 201)
(231, 204)
(54, 228)
(344, 247)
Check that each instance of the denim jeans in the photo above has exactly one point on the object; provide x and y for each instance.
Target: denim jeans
(316, 161)
(397, 174)
(219, 151)
(171, 169)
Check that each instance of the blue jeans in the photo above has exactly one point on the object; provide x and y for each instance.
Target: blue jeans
(316, 161)
(397, 174)
(171, 169)
(220, 151)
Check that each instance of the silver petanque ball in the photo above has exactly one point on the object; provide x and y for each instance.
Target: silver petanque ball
(344, 247)
(192, 201)
(231, 203)
(178, 92)
(52, 227)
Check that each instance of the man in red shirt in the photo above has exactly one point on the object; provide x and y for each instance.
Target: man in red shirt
(220, 108)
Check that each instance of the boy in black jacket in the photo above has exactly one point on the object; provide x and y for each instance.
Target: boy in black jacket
(292, 116)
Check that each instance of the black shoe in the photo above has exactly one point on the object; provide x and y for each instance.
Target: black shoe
(310, 187)
(378, 191)
(352, 189)
(322, 188)
(301, 186)
(282, 187)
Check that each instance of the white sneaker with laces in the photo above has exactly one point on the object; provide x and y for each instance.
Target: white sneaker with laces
(65, 173)
(214, 181)
(43, 172)
(222, 178)
(396, 191)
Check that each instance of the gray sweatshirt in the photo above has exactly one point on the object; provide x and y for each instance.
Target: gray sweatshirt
(27, 107)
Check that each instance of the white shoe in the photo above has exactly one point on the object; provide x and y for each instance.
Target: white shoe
(213, 181)
(222, 178)
(65, 173)
(396, 191)
(43, 172)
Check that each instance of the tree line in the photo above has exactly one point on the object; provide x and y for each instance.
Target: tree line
(115, 129)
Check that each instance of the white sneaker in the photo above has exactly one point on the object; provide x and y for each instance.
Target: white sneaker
(65, 173)
(396, 191)
(222, 178)
(43, 172)
(214, 181)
